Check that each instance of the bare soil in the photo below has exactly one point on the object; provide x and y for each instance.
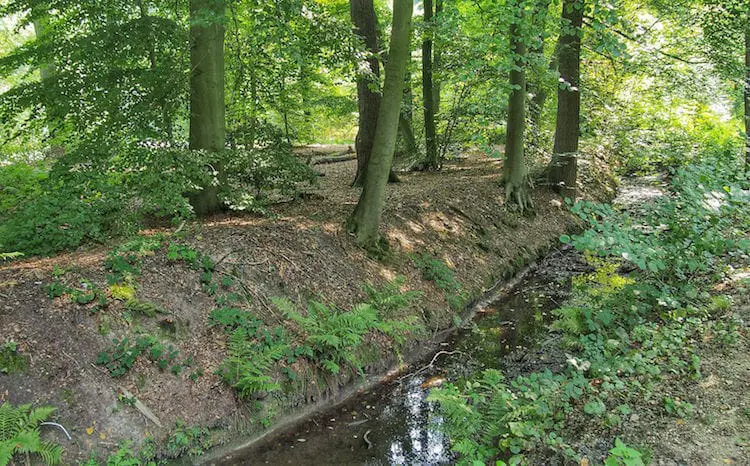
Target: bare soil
(302, 252)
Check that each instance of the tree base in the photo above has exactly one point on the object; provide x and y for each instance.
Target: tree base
(518, 197)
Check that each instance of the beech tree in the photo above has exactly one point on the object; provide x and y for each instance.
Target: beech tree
(368, 99)
(364, 222)
(514, 169)
(207, 122)
(563, 167)
(428, 92)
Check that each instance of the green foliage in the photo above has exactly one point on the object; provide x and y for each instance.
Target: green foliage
(19, 434)
(83, 202)
(625, 334)
(623, 455)
(259, 355)
(250, 366)
(11, 361)
(681, 239)
(334, 338)
(188, 440)
(390, 299)
(146, 308)
(6, 256)
(18, 183)
(677, 408)
(271, 171)
(121, 357)
(437, 271)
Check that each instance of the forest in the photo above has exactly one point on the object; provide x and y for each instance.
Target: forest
(375, 232)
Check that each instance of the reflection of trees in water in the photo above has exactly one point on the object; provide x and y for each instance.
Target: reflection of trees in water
(422, 442)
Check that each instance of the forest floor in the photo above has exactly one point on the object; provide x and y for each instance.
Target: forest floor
(301, 252)
(717, 431)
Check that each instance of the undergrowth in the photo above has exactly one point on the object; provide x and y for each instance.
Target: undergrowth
(260, 356)
(20, 435)
(437, 271)
(625, 336)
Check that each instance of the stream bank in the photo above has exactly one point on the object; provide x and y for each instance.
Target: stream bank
(303, 253)
(393, 423)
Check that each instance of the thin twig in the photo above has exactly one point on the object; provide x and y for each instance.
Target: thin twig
(432, 363)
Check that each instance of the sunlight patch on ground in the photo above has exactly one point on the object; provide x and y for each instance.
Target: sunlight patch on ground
(388, 274)
(407, 243)
(441, 223)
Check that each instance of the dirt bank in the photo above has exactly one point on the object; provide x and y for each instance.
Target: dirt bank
(302, 253)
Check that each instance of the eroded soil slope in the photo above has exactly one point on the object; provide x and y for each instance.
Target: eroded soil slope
(302, 253)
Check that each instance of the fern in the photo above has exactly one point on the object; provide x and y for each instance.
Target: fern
(390, 299)
(146, 308)
(335, 337)
(19, 433)
(250, 365)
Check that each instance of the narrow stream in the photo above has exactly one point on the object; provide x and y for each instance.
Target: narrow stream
(394, 424)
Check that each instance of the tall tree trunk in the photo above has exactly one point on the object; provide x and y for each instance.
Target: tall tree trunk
(563, 167)
(437, 60)
(514, 169)
(41, 25)
(537, 89)
(368, 100)
(46, 72)
(747, 94)
(428, 98)
(365, 220)
(207, 123)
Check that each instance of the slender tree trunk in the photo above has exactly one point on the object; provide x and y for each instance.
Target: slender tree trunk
(563, 167)
(207, 123)
(747, 94)
(514, 169)
(437, 60)
(537, 89)
(368, 99)
(41, 25)
(365, 220)
(428, 98)
(53, 115)
(405, 137)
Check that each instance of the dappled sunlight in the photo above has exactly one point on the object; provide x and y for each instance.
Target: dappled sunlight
(443, 224)
(85, 259)
(388, 274)
(406, 242)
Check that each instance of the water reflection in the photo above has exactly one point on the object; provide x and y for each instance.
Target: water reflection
(425, 442)
(395, 424)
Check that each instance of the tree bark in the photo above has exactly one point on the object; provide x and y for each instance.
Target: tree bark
(537, 89)
(207, 122)
(563, 167)
(428, 98)
(514, 169)
(368, 100)
(437, 60)
(365, 220)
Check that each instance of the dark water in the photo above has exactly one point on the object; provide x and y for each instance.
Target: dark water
(394, 424)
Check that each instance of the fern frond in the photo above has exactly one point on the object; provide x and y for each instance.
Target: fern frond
(28, 441)
(50, 452)
(6, 451)
(40, 414)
